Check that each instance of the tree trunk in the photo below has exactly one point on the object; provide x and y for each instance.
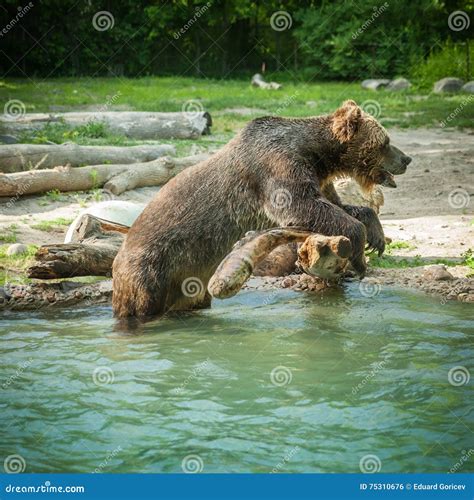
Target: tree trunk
(115, 178)
(133, 124)
(95, 244)
(321, 256)
(22, 157)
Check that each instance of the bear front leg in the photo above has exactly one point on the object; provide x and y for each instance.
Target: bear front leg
(375, 234)
(303, 205)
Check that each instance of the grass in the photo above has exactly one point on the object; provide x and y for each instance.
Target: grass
(221, 98)
(8, 234)
(52, 225)
(389, 261)
(14, 266)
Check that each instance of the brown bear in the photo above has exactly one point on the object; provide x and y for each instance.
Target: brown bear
(275, 172)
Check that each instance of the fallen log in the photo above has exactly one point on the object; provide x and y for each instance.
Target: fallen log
(323, 256)
(21, 157)
(258, 81)
(133, 124)
(36, 296)
(94, 245)
(115, 178)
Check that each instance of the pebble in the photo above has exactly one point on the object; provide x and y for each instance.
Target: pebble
(437, 272)
(17, 249)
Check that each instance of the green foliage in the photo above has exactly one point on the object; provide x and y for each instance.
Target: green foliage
(468, 258)
(336, 39)
(448, 60)
(370, 39)
(52, 225)
(8, 234)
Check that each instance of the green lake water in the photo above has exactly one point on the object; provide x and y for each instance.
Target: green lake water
(262, 382)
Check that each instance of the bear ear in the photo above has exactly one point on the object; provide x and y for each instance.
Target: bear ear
(346, 121)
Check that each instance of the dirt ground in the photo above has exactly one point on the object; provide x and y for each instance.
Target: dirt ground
(432, 209)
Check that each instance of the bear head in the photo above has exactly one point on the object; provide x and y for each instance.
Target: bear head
(368, 156)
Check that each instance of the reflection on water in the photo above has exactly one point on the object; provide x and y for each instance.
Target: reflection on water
(262, 382)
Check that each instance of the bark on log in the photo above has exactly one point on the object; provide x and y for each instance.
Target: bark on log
(258, 81)
(133, 124)
(36, 296)
(95, 244)
(23, 157)
(322, 256)
(115, 178)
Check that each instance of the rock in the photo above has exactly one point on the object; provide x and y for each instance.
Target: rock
(375, 84)
(448, 85)
(468, 87)
(437, 272)
(398, 84)
(8, 139)
(17, 249)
